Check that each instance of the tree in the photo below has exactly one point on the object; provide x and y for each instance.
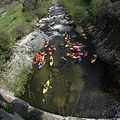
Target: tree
(30, 5)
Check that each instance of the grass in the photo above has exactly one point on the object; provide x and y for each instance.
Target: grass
(15, 16)
(12, 18)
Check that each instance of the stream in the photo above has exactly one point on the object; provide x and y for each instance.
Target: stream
(76, 89)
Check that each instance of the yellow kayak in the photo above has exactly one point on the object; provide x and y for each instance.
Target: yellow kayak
(46, 87)
(46, 44)
(94, 59)
(51, 61)
(72, 56)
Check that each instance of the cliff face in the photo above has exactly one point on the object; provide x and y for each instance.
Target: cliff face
(106, 40)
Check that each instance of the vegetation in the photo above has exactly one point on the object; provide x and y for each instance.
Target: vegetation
(7, 107)
(17, 22)
(77, 9)
(18, 87)
(5, 2)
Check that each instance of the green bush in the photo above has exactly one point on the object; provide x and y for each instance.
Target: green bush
(40, 12)
(5, 47)
(7, 107)
(28, 16)
(95, 4)
(76, 8)
(18, 31)
(21, 80)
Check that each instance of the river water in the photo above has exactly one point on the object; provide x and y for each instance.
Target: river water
(77, 89)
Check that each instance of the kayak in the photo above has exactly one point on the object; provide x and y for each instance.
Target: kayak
(94, 59)
(76, 44)
(46, 87)
(46, 44)
(35, 62)
(51, 61)
(75, 49)
(41, 65)
(73, 56)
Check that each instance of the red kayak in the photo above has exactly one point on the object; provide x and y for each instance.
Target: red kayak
(75, 49)
(78, 54)
(77, 44)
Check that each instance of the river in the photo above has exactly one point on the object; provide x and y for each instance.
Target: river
(77, 89)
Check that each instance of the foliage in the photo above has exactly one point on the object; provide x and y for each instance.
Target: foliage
(7, 107)
(15, 24)
(118, 63)
(5, 2)
(76, 8)
(5, 48)
(95, 4)
(21, 80)
(35, 8)
(18, 31)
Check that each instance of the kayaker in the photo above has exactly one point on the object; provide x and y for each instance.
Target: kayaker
(74, 36)
(45, 86)
(39, 58)
(85, 53)
(51, 61)
(66, 37)
(63, 58)
(51, 49)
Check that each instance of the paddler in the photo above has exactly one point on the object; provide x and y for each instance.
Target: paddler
(42, 57)
(51, 49)
(37, 58)
(63, 58)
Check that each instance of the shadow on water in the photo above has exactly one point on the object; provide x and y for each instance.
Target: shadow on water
(77, 89)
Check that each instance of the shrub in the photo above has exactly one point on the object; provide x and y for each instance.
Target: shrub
(21, 81)
(95, 4)
(40, 12)
(5, 47)
(18, 31)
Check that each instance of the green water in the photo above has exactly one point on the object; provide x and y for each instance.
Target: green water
(77, 89)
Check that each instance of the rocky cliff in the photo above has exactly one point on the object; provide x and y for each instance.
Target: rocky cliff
(105, 39)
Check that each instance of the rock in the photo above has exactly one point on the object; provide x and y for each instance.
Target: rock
(105, 52)
(7, 116)
(24, 51)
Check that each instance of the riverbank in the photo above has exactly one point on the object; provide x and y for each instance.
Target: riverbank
(16, 22)
(24, 51)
